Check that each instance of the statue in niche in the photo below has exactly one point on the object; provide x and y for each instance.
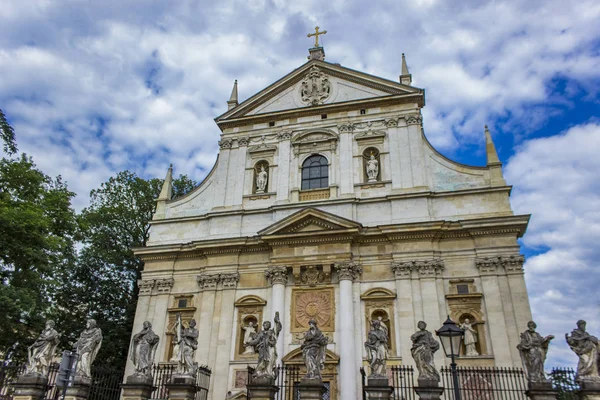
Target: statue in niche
(144, 346)
(384, 327)
(265, 342)
(41, 352)
(187, 340)
(377, 349)
(469, 338)
(313, 350)
(586, 347)
(249, 333)
(533, 349)
(261, 180)
(87, 348)
(423, 348)
(372, 169)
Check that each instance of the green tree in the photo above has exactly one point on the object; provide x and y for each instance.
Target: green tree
(103, 284)
(37, 228)
(7, 135)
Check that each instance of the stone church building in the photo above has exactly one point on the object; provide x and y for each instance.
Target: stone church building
(327, 202)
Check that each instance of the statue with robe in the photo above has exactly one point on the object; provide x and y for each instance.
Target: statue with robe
(533, 349)
(313, 350)
(376, 347)
(249, 333)
(372, 169)
(187, 339)
(144, 346)
(469, 338)
(41, 352)
(586, 347)
(87, 348)
(261, 180)
(265, 342)
(423, 348)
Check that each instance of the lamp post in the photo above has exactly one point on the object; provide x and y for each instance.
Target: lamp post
(450, 336)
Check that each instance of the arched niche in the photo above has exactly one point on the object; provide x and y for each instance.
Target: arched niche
(249, 309)
(379, 304)
(371, 165)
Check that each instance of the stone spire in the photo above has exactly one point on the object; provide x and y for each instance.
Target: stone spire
(233, 99)
(406, 77)
(165, 194)
(493, 162)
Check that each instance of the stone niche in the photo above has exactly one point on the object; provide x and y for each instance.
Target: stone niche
(249, 309)
(312, 303)
(182, 304)
(379, 305)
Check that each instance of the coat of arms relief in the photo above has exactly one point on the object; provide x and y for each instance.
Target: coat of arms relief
(315, 87)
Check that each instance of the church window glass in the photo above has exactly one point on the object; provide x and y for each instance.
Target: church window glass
(315, 173)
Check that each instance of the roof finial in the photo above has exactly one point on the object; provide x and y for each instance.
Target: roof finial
(317, 52)
(316, 35)
(167, 188)
(490, 148)
(406, 77)
(233, 99)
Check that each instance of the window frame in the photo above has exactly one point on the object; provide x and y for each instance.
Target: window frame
(311, 175)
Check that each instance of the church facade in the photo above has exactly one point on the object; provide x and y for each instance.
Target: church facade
(327, 202)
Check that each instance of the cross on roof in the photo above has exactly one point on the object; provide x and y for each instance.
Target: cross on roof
(316, 35)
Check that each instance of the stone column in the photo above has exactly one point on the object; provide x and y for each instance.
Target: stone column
(30, 387)
(80, 389)
(283, 165)
(404, 310)
(347, 273)
(277, 277)
(208, 285)
(541, 391)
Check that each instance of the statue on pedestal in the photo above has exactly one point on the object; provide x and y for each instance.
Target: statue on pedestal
(144, 346)
(424, 345)
(313, 350)
(187, 339)
(249, 333)
(87, 348)
(265, 342)
(470, 338)
(41, 352)
(586, 347)
(261, 180)
(377, 349)
(533, 349)
(372, 169)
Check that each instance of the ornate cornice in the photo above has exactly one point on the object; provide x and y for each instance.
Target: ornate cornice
(491, 265)
(277, 275)
(230, 280)
(164, 285)
(348, 270)
(145, 286)
(425, 268)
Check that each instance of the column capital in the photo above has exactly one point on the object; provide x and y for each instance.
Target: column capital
(414, 119)
(208, 281)
(426, 268)
(348, 270)
(512, 264)
(164, 285)
(230, 280)
(277, 275)
(145, 286)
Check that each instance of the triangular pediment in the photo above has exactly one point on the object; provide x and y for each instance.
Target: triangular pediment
(310, 221)
(317, 83)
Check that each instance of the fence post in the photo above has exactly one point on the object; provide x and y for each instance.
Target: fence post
(137, 387)
(311, 389)
(378, 388)
(429, 389)
(30, 387)
(541, 391)
(79, 389)
(181, 387)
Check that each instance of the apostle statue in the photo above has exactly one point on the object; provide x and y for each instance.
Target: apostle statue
(372, 169)
(469, 338)
(144, 346)
(533, 349)
(313, 350)
(265, 342)
(249, 333)
(41, 352)
(424, 345)
(187, 339)
(377, 349)
(261, 180)
(87, 348)
(586, 347)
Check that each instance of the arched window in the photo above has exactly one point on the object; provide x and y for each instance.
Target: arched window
(315, 173)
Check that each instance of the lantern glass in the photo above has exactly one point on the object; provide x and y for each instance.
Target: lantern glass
(450, 336)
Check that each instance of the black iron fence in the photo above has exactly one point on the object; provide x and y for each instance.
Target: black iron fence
(287, 378)
(10, 372)
(161, 375)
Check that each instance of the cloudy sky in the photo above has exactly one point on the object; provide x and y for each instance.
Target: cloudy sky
(93, 88)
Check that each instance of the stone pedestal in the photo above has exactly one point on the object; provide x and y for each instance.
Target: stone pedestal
(80, 390)
(378, 388)
(30, 387)
(137, 387)
(311, 389)
(181, 387)
(429, 389)
(589, 390)
(262, 389)
(541, 391)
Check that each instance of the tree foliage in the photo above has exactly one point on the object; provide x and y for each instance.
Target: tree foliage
(7, 135)
(37, 228)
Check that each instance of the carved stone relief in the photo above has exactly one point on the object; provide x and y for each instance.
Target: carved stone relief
(317, 304)
(315, 87)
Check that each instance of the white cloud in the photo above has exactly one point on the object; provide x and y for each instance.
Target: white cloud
(556, 179)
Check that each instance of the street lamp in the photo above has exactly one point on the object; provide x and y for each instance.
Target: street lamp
(450, 336)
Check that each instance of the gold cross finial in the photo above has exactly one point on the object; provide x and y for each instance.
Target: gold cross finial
(316, 35)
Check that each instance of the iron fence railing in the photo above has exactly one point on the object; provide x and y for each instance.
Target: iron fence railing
(162, 373)
(287, 379)
(485, 383)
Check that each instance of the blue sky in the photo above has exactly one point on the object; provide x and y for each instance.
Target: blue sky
(93, 88)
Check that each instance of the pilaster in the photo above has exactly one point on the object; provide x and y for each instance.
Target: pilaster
(283, 166)
(207, 284)
(277, 278)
